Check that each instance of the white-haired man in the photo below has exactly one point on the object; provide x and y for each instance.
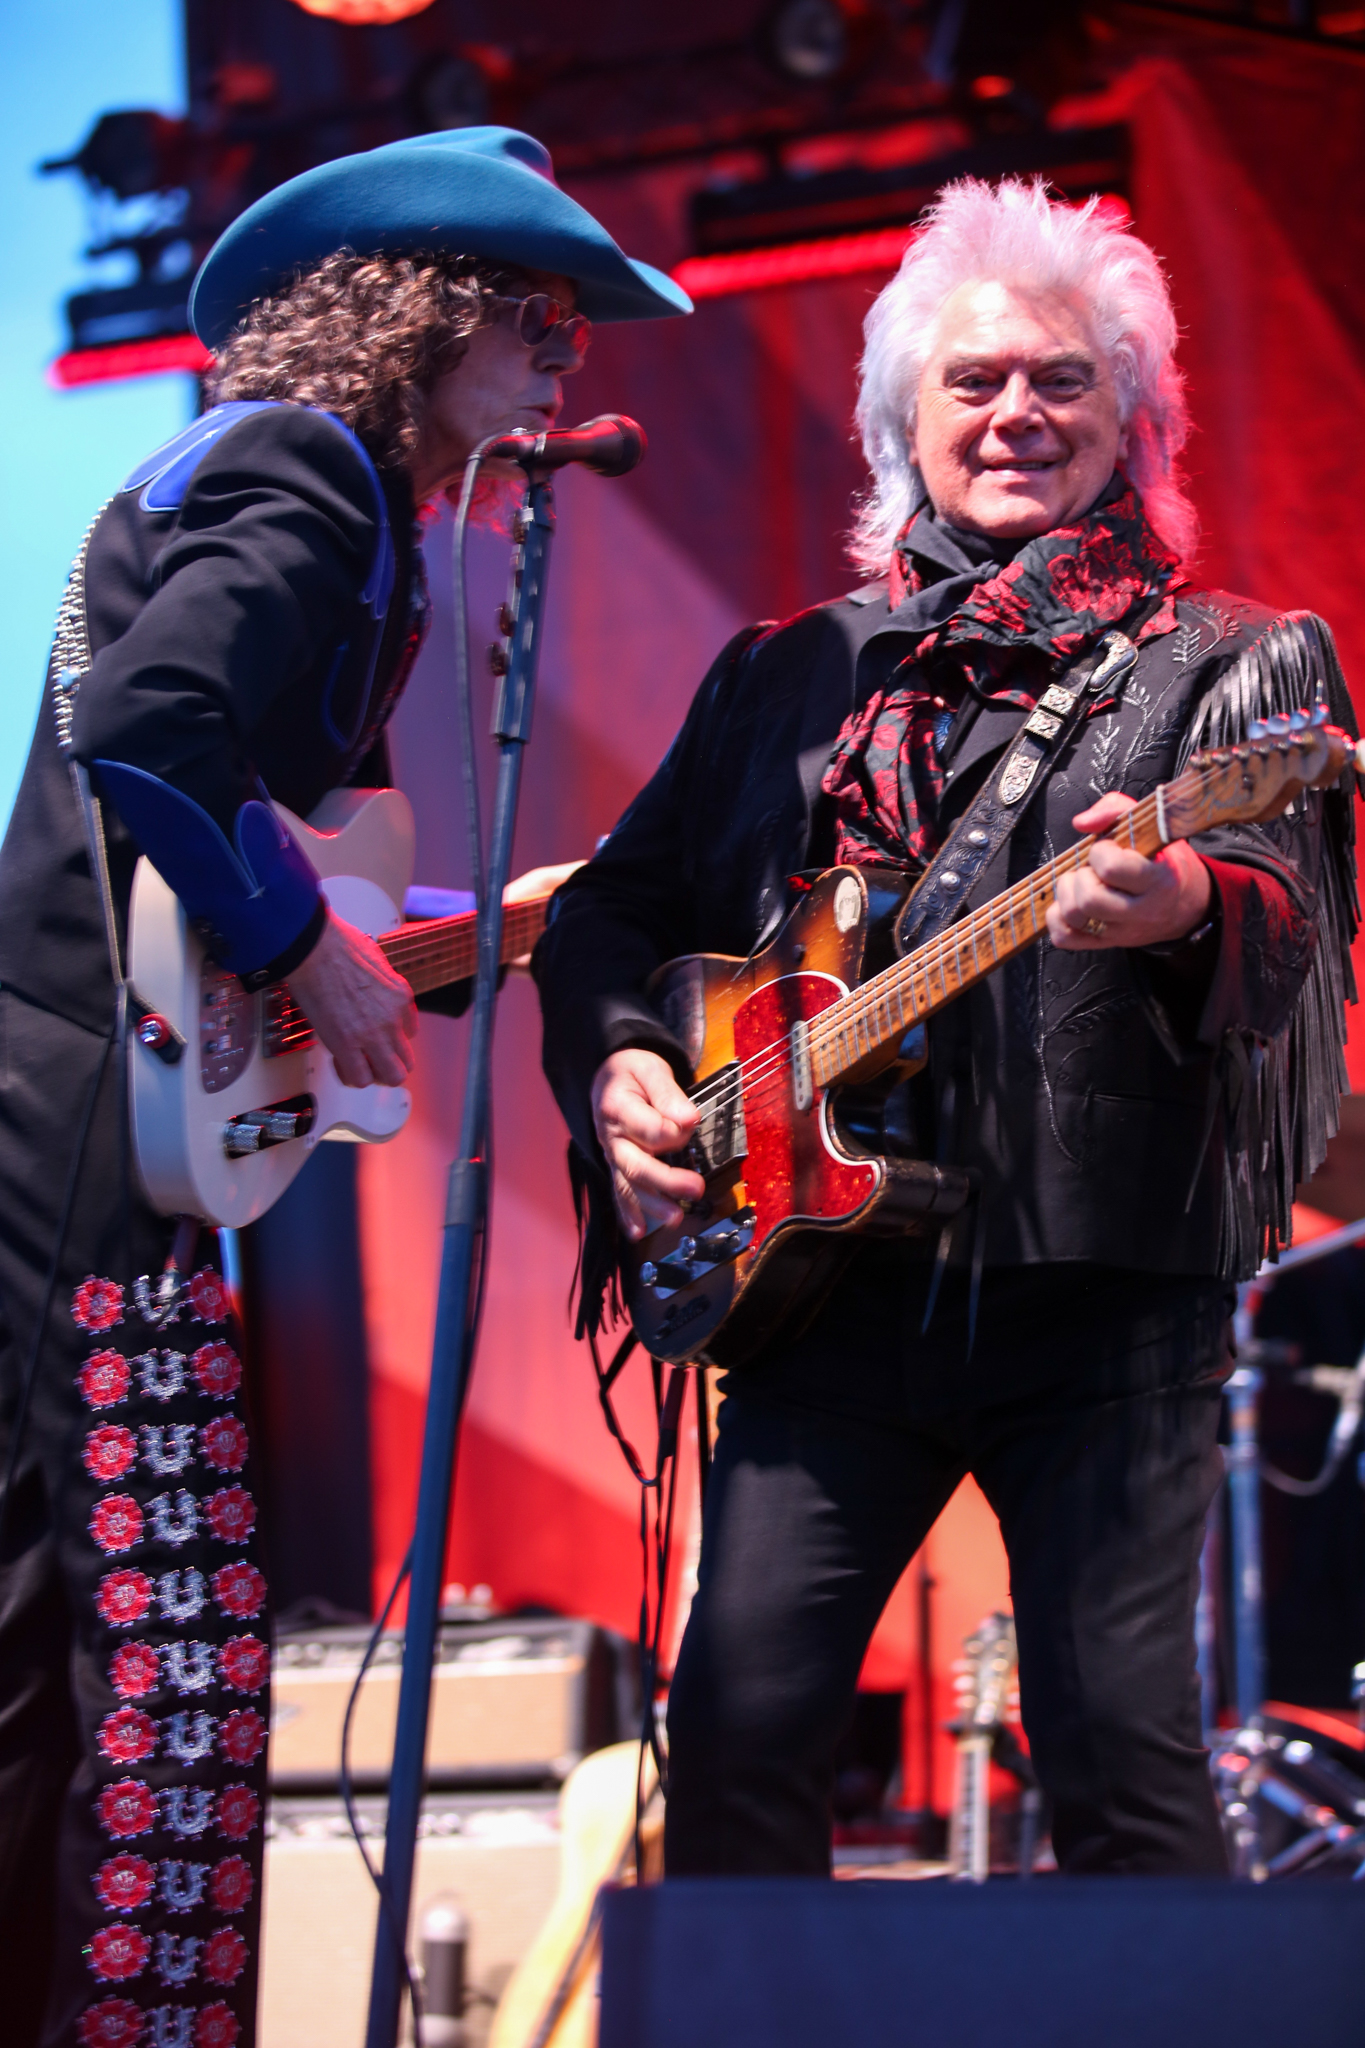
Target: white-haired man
(1134, 1098)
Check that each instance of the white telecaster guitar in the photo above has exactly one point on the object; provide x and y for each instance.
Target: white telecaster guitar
(230, 1092)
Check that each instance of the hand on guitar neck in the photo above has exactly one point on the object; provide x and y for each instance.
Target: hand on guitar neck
(361, 1009)
(1120, 898)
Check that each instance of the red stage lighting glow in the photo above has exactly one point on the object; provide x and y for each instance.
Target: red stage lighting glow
(747, 270)
(128, 359)
(363, 13)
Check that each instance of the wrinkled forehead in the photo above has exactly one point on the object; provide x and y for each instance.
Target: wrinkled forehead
(991, 321)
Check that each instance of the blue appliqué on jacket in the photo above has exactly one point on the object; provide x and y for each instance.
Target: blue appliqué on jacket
(259, 895)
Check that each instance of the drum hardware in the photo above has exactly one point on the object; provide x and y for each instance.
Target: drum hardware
(1275, 1772)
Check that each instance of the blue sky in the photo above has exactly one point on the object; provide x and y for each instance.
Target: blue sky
(63, 62)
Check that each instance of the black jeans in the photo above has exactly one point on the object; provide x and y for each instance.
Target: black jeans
(134, 1618)
(1088, 1414)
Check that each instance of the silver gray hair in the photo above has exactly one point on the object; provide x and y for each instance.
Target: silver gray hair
(1013, 233)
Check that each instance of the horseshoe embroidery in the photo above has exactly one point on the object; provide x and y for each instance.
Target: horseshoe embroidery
(161, 1374)
(180, 1595)
(189, 1666)
(174, 1524)
(182, 1886)
(188, 1809)
(176, 1955)
(167, 1447)
(189, 1737)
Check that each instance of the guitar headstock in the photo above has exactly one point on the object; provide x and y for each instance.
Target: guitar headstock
(1257, 779)
(987, 1673)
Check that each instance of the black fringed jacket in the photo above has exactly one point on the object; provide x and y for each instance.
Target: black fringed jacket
(1135, 1110)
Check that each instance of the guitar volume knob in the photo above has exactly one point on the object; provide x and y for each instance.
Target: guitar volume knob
(687, 1247)
(649, 1273)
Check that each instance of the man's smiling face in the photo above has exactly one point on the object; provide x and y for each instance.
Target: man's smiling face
(1017, 430)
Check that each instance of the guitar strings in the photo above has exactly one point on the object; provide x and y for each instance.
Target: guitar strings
(756, 1076)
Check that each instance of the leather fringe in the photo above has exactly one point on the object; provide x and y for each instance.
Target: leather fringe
(1281, 1096)
(595, 1280)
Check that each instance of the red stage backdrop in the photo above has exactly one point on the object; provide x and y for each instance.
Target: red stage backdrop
(1248, 160)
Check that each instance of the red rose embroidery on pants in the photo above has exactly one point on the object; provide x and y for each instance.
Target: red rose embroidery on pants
(116, 1953)
(231, 1514)
(127, 1808)
(116, 1523)
(242, 1736)
(134, 1671)
(127, 1736)
(123, 1883)
(123, 1597)
(238, 1812)
(104, 1379)
(113, 2023)
(97, 1304)
(208, 1296)
(224, 1956)
(215, 2027)
(218, 1370)
(231, 1885)
(244, 1663)
(223, 1443)
(239, 1590)
(110, 1451)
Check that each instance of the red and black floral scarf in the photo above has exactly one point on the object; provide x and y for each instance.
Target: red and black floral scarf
(1007, 639)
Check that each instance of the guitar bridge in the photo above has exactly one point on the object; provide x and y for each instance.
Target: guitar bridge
(256, 1130)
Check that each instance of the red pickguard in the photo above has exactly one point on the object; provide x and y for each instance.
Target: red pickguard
(790, 1170)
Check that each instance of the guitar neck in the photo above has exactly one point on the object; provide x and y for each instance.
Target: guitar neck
(441, 950)
(878, 1012)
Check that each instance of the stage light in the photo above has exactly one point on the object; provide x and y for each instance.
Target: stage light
(808, 39)
(450, 91)
(748, 270)
(130, 153)
(364, 13)
(129, 359)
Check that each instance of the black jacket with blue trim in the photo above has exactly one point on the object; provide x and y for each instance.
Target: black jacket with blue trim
(254, 600)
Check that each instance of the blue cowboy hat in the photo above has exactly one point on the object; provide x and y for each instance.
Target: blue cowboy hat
(466, 192)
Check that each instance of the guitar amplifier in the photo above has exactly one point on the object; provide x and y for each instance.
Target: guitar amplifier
(513, 1702)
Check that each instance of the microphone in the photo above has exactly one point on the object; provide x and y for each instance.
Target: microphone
(611, 445)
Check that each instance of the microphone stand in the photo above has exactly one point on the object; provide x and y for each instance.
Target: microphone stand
(465, 1219)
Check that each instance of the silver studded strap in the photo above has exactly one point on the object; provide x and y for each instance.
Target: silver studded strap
(1009, 791)
(70, 664)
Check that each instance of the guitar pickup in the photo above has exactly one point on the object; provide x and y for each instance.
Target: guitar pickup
(256, 1130)
(695, 1256)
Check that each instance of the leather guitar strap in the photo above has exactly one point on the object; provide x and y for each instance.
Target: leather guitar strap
(940, 895)
(1010, 791)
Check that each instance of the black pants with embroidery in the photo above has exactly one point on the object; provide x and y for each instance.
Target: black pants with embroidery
(1088, 1413)
(134, 1628)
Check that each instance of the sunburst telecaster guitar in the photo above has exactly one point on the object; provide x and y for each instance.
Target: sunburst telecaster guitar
(780, 1042)
(230, 1092)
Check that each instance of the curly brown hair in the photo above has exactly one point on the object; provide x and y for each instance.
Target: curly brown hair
(364, 337)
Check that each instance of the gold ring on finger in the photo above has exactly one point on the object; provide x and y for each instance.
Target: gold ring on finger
(1096, 927)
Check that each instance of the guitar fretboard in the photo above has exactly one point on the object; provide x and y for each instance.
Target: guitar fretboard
(883, 1009)
(429, 954)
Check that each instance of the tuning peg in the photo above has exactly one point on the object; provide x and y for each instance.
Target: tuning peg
(1257, 729)
(1278, 722)
(1321, 714)
(1298, 721)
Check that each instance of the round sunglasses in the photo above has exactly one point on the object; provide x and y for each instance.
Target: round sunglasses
(538, 316)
